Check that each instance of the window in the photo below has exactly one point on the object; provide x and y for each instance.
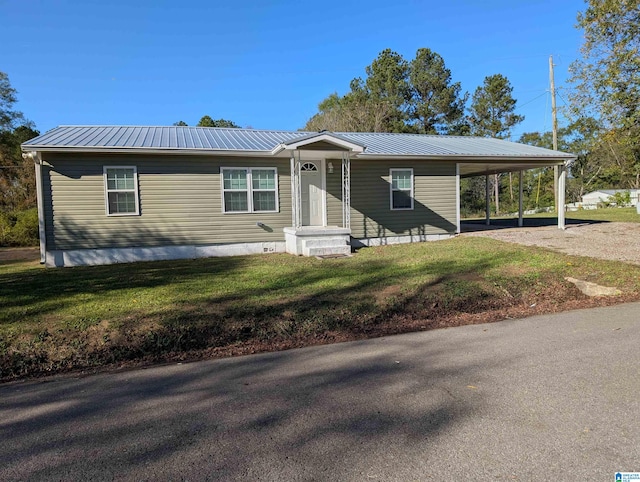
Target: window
(401, 189)
(249, 190)
(121, 188)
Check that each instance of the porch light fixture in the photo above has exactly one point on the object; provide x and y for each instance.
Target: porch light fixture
(330, 167)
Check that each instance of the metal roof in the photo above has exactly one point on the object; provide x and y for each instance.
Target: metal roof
(610, 191)
(211, 139)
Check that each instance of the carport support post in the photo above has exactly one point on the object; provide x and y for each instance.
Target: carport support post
(487, 201)
(562, 179)
(520, 196)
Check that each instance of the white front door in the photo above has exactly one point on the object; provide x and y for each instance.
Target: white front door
(312, 194)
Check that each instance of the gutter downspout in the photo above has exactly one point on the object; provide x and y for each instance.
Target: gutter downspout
(35, 157)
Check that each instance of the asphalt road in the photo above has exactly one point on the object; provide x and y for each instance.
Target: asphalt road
(545, 398)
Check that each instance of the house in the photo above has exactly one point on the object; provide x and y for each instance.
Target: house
(110, 194)
(592, 199)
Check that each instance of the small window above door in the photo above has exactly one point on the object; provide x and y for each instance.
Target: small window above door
(309, 167)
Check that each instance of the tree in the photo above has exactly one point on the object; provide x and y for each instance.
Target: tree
(207, 121)
(17, 175)
(436, 104)
(17, 183)
(329, 116)
(540, 179)
(594, 168)
(9, 118)
(607, 78)
(396, 96)
(607, 84)
(388, 88)
(492, 114)
(180, 123)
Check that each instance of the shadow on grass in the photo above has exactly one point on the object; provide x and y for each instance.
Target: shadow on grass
(47, 290)
(307, 298)
(42, 291)
(243, 304)
(379, 299)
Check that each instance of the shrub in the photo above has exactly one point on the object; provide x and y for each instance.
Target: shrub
(621, 199)
(618, 199)
(19, 228)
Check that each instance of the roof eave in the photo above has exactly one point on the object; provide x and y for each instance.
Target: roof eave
(339, 141)
(568, 159)
(147, 150)
(471, 157)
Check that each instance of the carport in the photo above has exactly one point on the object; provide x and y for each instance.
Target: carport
(494, 165)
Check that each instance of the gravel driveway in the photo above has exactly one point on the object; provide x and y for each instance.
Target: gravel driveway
(606, 240)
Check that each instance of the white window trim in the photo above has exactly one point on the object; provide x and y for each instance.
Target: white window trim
(249, 189)
(391, 190)
(107, 190)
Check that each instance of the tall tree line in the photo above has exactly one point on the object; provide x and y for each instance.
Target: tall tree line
(208, 121)
(17, 176)
(605, 94)
(417, 96)
(603, 105)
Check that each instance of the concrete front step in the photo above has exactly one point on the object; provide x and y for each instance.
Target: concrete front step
(327, 251)
(318, 240)
(324, 242)
(326, 246)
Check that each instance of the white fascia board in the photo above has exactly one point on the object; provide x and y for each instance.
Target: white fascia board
(465, 158)
(146, 150)
(324, 137)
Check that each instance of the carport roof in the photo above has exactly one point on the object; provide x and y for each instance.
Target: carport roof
(476, 155)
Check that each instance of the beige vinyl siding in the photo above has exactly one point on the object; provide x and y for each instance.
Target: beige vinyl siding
(180, 203)
(321, 146)
(371, 215)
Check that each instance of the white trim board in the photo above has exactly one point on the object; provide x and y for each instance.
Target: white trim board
(92, 257)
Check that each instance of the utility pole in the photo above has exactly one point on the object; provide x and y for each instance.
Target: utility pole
(554, 129)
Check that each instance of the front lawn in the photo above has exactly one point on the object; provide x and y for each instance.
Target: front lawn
(70, 318)
(622, 215)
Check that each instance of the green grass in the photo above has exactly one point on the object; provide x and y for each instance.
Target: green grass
(57, 319)
(624, 215)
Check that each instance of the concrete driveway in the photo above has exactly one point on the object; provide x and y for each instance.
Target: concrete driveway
(545, 398)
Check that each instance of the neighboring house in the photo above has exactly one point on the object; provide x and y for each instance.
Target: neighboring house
(111, 194)
(592, 199)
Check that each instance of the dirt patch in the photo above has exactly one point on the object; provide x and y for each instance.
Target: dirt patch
(613, 241)
(388, 292)
(19, 254)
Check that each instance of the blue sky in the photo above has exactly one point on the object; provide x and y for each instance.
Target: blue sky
(264, 64)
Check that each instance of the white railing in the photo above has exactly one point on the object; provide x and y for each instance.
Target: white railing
(296, 205)
(346, 190)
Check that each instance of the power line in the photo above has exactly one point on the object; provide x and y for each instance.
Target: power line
(565, 114)
(530, 101)
(562, 98)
